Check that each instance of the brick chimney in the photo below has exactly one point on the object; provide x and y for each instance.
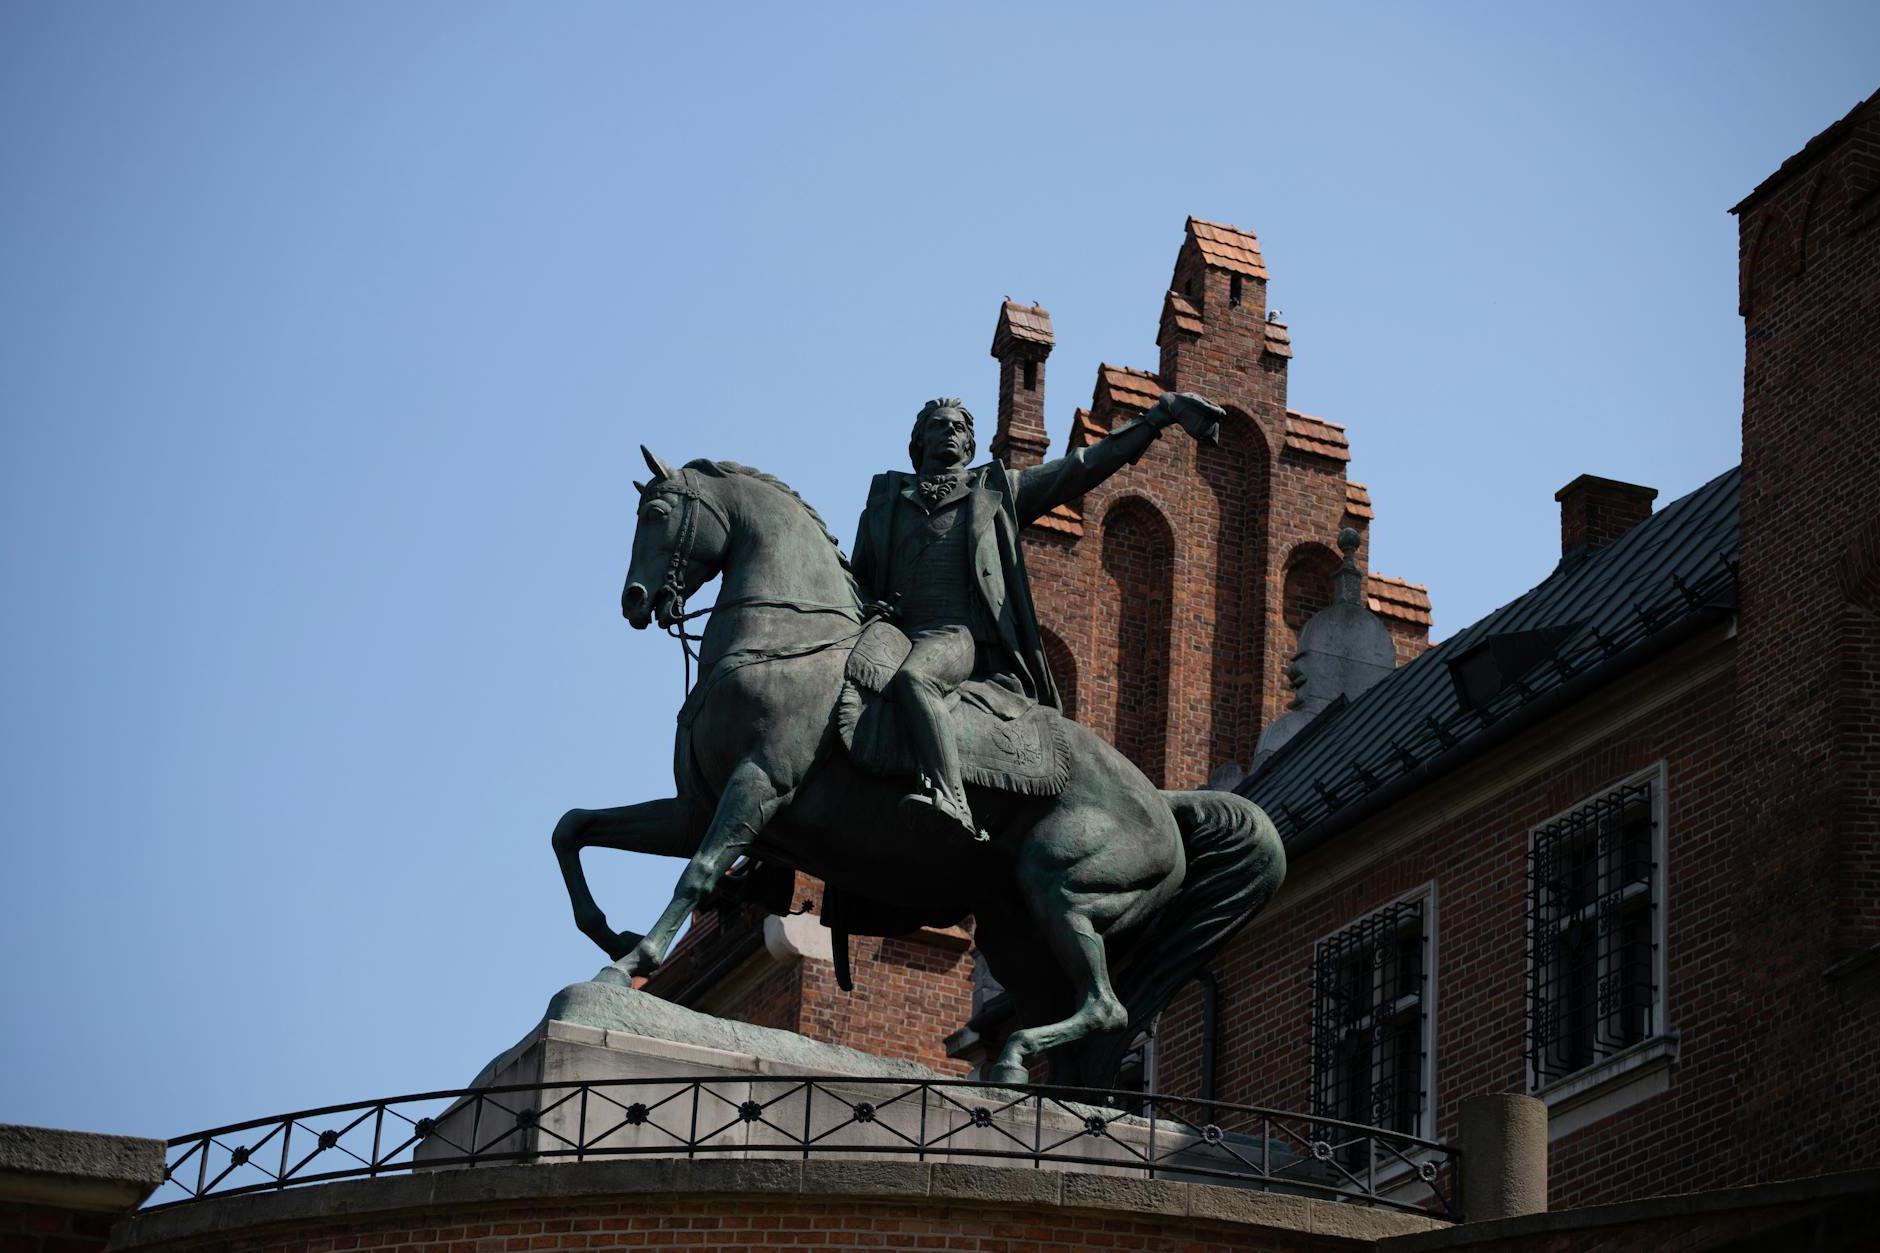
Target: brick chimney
(1594, 511)
(1021, 342)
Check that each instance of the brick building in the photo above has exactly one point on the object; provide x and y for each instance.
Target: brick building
(1616, 845)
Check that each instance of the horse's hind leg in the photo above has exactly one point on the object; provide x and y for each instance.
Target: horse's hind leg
(1073, 939)
(670, 828)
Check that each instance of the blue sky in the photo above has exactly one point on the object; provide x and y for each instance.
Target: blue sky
(328, 333)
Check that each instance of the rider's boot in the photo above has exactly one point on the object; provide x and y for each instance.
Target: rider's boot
(937, 813)
(939, 805)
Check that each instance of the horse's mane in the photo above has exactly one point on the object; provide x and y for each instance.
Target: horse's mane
(705, 465)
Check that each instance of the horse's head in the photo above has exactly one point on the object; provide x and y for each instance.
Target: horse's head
(678, 545)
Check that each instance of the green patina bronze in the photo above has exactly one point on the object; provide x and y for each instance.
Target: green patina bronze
(1096, 896)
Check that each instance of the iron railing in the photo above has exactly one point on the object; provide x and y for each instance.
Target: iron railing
(934, 1120)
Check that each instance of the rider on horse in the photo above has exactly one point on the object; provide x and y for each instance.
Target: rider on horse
(941, 546)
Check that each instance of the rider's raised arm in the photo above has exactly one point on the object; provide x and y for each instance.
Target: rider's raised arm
(1042, 488)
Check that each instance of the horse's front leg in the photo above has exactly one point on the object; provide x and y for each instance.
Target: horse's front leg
(749, 800)
(670, 828)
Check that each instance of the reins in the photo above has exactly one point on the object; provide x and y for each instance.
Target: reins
(680, 485)
(676, 628)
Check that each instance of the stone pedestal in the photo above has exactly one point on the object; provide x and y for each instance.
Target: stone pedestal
(613, 1072)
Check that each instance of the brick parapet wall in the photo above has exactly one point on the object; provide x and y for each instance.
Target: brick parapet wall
(718, 1206)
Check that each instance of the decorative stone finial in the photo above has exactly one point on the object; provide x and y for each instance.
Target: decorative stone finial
(1348, 583)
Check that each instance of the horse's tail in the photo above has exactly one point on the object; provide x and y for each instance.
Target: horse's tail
(1235, 864)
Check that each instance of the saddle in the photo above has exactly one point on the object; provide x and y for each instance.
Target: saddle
(1007, 741)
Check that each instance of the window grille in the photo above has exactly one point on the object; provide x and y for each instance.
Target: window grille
(1593, 953)
(1368, 1009)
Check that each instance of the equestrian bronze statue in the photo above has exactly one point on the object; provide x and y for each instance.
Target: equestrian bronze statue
(837, 700)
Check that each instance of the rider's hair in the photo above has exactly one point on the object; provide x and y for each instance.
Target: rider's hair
(927, 411)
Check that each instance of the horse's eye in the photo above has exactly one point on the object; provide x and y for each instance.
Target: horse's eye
(655, 512)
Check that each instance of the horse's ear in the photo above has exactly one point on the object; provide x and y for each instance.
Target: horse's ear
(639, 487)
(659, 468)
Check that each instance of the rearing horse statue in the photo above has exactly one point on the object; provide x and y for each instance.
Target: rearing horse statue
(1092, 906)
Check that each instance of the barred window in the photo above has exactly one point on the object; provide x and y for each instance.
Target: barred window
(1593, 897)
(1369, 1010)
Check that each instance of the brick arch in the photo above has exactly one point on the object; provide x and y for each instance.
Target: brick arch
(1239, 476)
(1063, 665)
(1306, 588)
(1139, 560)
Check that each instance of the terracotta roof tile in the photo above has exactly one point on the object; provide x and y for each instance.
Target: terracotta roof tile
(1358, 501)
(1131, 389)
(1307, 434)
(1065, 519)
(1084, 429)
(1397, 598)
(1180, 313)
(1278, 339)
(1025, 324)
(1228, 248)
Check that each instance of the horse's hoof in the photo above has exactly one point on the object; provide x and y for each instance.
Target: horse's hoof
(640, 960)
(1009, 1072)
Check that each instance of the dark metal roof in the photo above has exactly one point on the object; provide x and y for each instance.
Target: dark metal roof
(1671, 574)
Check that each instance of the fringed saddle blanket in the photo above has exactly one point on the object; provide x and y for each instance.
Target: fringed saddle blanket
(1007, 743)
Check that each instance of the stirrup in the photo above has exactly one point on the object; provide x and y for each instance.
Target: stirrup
(938, 816)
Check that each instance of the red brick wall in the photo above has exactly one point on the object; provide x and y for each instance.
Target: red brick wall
(726, 1224)
(911, 992)
(1810, 291)
(52, 1229)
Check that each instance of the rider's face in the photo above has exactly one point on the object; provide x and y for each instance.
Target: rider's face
(945, 441)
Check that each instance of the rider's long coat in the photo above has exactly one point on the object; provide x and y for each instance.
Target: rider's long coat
(1000, 502)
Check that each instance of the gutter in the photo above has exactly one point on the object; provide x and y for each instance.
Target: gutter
(1508, 727)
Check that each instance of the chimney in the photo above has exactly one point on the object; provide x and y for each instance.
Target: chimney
(1594, 511)
(1021, 343)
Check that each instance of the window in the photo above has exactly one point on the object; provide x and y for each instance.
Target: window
(1595, 987)
(1233, 291)
(1031, 376)
(1370, 1019)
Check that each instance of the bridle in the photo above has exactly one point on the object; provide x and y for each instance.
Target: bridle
(679, 483)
